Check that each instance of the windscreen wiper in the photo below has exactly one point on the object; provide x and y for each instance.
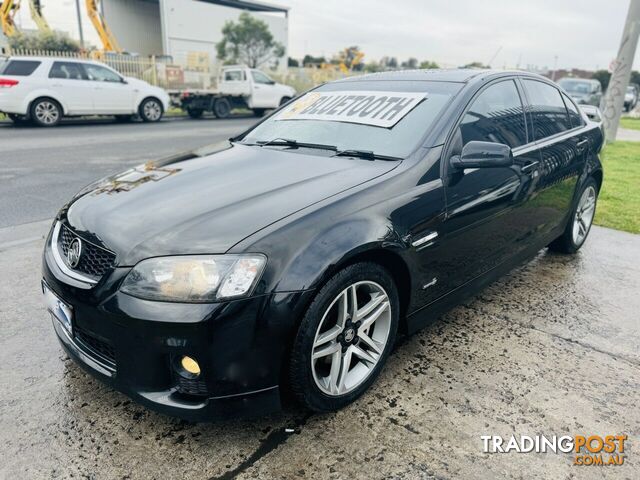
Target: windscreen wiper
(295, 144)
(366, 154)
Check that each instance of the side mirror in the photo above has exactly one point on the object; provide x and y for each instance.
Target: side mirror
(271, 82)
(477, 154)
(124, 80)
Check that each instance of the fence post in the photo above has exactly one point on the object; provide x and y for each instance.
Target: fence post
(154, 70)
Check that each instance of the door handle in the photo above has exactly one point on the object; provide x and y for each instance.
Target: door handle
(529, 166)
(582, 145)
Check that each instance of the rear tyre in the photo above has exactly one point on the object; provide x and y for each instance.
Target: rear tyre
(580, 222)
(19, 119)
(345, 337)
(259, 112)
(194, 112)
(221, 108)
(124, 118)
(46, 112)
(151, 110)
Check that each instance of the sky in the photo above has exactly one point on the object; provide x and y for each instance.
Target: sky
(513, 33)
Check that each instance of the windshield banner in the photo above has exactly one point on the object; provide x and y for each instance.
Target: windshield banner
(378, 109)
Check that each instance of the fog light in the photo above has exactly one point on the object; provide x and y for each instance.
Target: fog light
(190, 366)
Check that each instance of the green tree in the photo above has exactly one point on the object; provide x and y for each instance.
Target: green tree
(476, 65)
(248, 41)
(410, 64)
(635, 77)
(311, 60)
(53, 41)
(428, 65)
(603, 76)
(292, 62)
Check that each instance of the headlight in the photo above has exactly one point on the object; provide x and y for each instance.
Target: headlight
(194, 278)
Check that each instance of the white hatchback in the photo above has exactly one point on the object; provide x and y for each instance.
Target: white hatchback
(43, 90)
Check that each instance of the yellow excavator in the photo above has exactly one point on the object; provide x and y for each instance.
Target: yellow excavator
(109, 42)
(8, 10)
(35, 7)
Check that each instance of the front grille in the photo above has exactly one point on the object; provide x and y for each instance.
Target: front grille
(94, 261)
(103, 349)
(191, 386)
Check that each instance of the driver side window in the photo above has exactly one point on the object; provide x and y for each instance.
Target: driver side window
(101, 74)
(496, 116)
(259, 77)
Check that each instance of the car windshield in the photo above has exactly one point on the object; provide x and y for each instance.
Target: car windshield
(576, 86)
(355, 118)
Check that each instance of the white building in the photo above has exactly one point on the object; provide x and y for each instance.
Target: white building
(186, 30)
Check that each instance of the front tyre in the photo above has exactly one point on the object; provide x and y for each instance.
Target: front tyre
(151, 110)
(345, 337)
(579, 225)
(46, 112)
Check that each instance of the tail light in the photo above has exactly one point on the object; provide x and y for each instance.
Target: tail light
(7, 83)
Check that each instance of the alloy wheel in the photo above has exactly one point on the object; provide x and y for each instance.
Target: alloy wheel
(47, 112)
(351, 338)
(584, 215)
(152, 110)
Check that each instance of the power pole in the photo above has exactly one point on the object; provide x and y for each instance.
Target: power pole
(613, 100)
(79, 23)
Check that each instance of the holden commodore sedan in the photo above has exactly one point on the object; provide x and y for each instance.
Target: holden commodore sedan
(284, 263)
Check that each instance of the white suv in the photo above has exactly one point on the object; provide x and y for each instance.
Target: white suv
(43, 90)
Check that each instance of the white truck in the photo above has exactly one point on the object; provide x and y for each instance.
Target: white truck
(238, 87)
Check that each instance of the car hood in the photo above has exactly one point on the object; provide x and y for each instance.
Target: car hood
(208, 204)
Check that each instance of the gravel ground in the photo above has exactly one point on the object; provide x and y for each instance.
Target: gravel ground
(550, 349)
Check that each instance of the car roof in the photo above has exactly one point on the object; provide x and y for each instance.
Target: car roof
(457, 75)
(54, 59)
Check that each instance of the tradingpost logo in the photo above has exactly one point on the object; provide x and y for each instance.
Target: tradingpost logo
(590, 450)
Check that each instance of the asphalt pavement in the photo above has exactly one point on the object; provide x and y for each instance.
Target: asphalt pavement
(41, 168)
(550, 349)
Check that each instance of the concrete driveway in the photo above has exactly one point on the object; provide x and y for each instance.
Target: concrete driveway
(551, 349)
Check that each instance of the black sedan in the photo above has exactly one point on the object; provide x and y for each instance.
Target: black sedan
(284, 263)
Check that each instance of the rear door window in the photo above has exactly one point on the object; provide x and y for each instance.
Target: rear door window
(574, 114)
(549, 113)
(68, 71)
(20, 68)
(496, 115)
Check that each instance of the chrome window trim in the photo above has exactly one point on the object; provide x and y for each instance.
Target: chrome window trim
(545, 142)
(60, 261)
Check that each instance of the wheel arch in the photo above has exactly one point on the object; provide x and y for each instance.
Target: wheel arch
(388, 258)
(45, 95)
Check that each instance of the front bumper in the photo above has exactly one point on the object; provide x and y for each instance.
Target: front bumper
(133, 345)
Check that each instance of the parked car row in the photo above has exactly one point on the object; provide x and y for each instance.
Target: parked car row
(631, 98)
(582, 91)
(43, 90)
